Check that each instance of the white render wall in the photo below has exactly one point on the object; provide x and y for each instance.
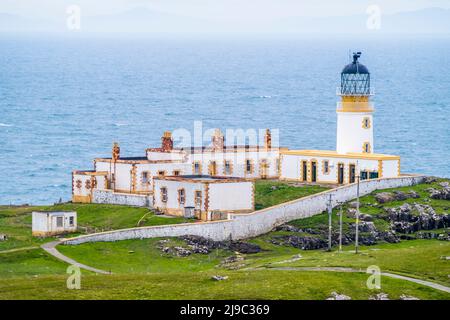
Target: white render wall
(109, 197)
(172, 193)
(231, 196)
(350, 132)
(241, 226)
(291, 167)
(83, 191)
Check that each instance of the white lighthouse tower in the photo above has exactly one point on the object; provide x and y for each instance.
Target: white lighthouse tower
(355, 111)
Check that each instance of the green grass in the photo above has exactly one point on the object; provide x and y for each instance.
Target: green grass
(140, 256)
(29, 263)
(269, 193)
(264, 284)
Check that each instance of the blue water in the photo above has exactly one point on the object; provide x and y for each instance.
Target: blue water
(64, 100)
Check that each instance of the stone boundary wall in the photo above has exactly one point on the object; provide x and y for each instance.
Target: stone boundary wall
(110, 197)
(240, 226)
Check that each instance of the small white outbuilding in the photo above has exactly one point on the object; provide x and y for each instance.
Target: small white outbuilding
(46, 223)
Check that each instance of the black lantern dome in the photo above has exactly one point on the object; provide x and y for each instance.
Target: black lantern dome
(355, 78)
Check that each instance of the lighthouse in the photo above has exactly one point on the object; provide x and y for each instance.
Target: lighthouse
(355, 111)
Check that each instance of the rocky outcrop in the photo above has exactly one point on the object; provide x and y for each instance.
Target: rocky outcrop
(301, 242)
(412, 218)
(385, 197)
(204, 245)
(440, 194)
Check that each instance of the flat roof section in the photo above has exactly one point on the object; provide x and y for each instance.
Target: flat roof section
(202, 178)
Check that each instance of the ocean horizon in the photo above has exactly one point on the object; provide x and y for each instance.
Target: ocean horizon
(66, 99)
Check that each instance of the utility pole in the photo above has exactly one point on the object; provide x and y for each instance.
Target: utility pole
(330, 210)
(340, 227)
(357, 207)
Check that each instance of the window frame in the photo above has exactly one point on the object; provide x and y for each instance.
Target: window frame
(181, 196)
(164, 194)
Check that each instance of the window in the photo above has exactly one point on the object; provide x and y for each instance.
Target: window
(373, 175)
(161, 173)
(71, 221)
(366, 123)
(227, 167)
(145, 177)
(59, 222)
(79, 184)
(181, 196)
(198, 199)
(164, 194)
(248, 166)
(366, 147)
(176, 172)
(197, 168)
(364, 175)
(326, 166)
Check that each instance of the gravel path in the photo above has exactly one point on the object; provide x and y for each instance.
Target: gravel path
(50, 247)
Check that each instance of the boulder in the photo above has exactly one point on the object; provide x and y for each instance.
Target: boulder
(388, 236)
(413, 194)
(365, 217)
(353, 204)
(380, 296)
(219, 278)
(287, 227)
(429, 180)
(304, 243)
(384, 197)
(400, 196)
(405, 297)
(338, 296)
(244, 247)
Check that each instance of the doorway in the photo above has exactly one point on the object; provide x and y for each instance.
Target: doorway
(340, 173)
(304, 171)
(313, 171)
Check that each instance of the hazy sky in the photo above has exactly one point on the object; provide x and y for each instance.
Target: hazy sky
(217, 9)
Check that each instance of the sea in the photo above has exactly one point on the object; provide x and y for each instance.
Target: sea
(65, 98)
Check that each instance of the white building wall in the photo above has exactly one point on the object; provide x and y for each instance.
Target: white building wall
(291, 167)
(391, 168)
(231, 196)
(351, 135)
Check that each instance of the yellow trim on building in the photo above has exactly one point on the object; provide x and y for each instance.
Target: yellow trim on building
(334, 154)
